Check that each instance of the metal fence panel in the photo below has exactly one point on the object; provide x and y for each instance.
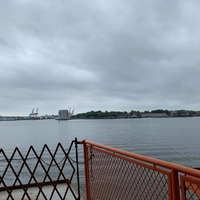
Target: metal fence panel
(190, 187)
(32, 169)
(114, 174)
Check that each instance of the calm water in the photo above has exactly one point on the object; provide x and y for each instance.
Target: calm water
(171, 139)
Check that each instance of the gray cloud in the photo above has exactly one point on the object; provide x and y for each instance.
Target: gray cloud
(116, 55)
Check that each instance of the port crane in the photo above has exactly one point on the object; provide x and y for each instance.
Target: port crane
(33, 114)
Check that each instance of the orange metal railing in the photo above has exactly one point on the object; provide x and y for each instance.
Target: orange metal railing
(111, 173)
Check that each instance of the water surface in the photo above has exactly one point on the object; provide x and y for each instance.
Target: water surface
(175, 140)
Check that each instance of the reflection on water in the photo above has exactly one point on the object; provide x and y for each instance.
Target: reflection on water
(170, 139)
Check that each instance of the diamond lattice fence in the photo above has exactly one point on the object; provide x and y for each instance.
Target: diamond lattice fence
(25, 170)
(113, 176)
(190, 188)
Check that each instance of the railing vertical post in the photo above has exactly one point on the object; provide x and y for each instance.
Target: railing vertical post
(175, 185)
(86, 171)
(77, 168)
(183, 189)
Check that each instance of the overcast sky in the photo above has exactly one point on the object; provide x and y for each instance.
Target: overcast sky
(99, 55)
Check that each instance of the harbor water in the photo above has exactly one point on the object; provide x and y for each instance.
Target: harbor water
(171, 139)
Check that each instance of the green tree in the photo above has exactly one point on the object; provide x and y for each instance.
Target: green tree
(138, 114)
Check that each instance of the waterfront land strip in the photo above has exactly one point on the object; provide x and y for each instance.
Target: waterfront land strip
(159, 113)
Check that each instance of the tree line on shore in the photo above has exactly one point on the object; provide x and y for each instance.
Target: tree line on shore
(135, 114)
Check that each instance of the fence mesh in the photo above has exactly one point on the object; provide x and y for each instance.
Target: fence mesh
(190, 188)
(36, 169)
(114, 177)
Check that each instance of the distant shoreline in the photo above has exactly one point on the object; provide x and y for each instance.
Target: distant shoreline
(96, 118)
(136, 114)
(159, 113)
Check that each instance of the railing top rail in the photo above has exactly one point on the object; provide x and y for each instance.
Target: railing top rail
(154, 161)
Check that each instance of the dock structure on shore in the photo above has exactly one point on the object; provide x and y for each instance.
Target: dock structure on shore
(65, 114)
(110, 174)
(34, 115)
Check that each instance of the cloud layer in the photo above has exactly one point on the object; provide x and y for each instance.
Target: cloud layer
(98, 55)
